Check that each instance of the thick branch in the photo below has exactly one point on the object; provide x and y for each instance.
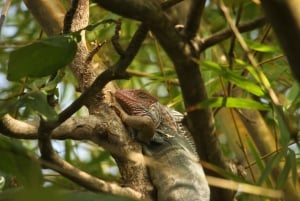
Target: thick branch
(49, 15)
(193, 19)
(75, 128)
(92, 128)
(87, 180)
(18, 129)
(117, 71)
(285, 20)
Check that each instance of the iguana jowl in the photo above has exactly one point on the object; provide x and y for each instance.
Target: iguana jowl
(175, 173)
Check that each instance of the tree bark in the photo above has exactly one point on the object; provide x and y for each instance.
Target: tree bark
(285, 20)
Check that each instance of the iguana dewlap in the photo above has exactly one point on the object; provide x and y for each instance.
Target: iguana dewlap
(175, 172)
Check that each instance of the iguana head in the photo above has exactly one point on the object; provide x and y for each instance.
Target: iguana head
(134, 101)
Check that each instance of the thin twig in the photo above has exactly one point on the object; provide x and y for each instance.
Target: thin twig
(223, 35)
(93, 52)
(265, 83)
(4, 13)
(116, 37)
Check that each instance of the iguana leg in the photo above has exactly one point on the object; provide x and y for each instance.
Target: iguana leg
(144, 125)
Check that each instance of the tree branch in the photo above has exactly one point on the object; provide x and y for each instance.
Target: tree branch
(117, 71)
(285, 19)
(18, 129)
(75, 128)
(225, 34)
(52, 23)
(87, 180)
(86, 128)
(193, 20)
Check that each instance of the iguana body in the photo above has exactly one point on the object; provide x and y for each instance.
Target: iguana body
(175, 172)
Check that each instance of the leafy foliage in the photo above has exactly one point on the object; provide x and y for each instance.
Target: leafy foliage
(16, 161)
(41, 58)
(231, 81)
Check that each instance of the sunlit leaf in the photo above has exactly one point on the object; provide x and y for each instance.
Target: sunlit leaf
(41, 58)
(2, 182)
(262, 48)
(234, 103)
(240, 81)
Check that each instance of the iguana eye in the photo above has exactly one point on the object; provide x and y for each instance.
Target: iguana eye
(142, 94)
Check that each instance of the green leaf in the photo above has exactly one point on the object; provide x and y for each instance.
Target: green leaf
(91, 27)
(16, 161)
(52, 84)
(37, 102)
(262, 48)
(240, 81)
(294, 93)
(233, 103)
(257, 157)
(282, 125)
(282, 178)
(293, 160)
(2, 182)
(274, 161)
(41, 58)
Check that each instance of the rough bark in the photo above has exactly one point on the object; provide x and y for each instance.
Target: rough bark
(283, 16)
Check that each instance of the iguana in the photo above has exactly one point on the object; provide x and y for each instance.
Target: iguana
(174, 171)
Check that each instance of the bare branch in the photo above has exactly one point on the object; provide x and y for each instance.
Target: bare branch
(93, 52)
(18, 129)
(116, 37)
(55, 12)
(4, 13)
(193, 20)
(76, 128)
(23, 130)
(87, 180)
(223, 35)
(69, 17)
